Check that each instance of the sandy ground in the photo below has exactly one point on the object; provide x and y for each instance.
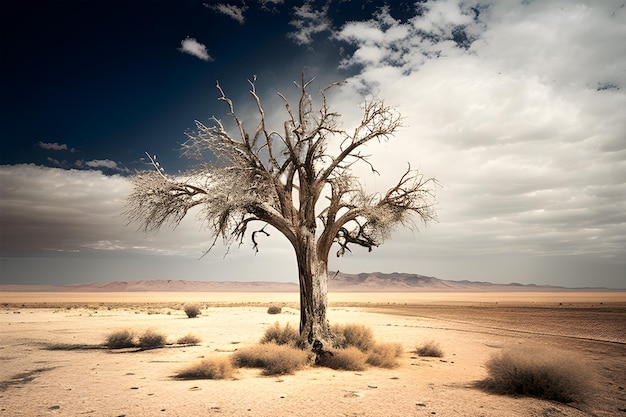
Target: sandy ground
(36, 381)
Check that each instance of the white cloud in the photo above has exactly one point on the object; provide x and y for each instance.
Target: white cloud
(230, 10)
(54, 146)
(193, 47)
(55, 162)
(530, 151)
(59, 226)
(267, 3)
(308, 22)
(102, 163)
(57, 209)
(51, 212)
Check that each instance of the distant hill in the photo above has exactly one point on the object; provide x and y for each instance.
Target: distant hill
(338, 282)
(159, 285)
(378, 281)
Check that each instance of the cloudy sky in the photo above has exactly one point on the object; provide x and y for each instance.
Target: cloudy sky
(517, 107)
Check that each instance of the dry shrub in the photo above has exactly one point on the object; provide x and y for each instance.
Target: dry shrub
(356, 335)
(274, 359)
(281, 335)
(352, 336)
(348, 359)
(549, 374)
(189, 339)
(429, 348)
(212, 368)
(274, 310)
(385, 355)
(150, 339)
(192, 310)
(121, 339)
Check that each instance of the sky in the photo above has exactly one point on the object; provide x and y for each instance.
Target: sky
(518, 108)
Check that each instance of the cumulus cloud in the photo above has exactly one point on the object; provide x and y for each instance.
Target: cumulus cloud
(56, 209)
(270, 4)
(530, 151)
(53, 209)
(54, 146)
(56, 162)
(70, 224)
(308, 22)
(192, 47)
(230, 10)
(100, 164)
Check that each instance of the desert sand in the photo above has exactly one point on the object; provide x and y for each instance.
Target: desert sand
(470, 327)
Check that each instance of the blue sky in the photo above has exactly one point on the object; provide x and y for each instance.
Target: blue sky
(517, 107)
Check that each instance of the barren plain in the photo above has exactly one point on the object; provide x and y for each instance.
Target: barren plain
(52, 362)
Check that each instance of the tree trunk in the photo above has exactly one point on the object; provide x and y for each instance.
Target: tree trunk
(313, 277)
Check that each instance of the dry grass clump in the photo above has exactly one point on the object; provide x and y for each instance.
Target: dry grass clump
(351, 335)
(348, 359)
(356, 335)
(274, 310)
(549, 374)
(189, 339)
(385, 355)
(212, 368)
(429, 348)
(281, 335)
(192, 310)
(151, 339)
(120, 339)
(274, 359)
(278, 351)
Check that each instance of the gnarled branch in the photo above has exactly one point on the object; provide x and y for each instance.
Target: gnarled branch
(279, 178)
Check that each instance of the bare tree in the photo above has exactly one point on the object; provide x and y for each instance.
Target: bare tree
(289, 180)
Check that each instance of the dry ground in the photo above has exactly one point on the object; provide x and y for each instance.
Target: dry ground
(36, 381)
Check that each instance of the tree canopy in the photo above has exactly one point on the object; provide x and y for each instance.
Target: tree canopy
(278, 177)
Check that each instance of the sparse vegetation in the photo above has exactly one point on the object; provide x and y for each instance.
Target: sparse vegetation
(272, 358)
(121, 339)
(348, 359)
(281, 335)
(531, 371)
(192, 310)
(212, 368)
(429, 348)
(385, 355)
(189, 339)
(151, 339)
(278, 351)
(356, 335)
(274, 310)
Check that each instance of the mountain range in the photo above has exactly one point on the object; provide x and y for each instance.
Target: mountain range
(338, 282)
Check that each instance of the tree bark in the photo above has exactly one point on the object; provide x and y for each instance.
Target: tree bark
(313, 277)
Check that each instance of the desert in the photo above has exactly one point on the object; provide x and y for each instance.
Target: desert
(53, 362)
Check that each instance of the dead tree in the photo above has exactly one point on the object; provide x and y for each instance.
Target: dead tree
(289, 179)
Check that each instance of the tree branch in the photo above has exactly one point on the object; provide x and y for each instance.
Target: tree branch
(255, 179)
